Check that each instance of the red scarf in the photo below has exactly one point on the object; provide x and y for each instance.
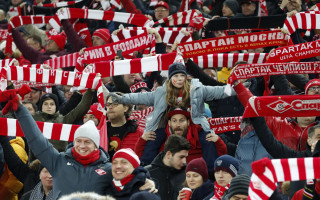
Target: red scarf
(233, 43)
(119, 185)
(219, 191)
(88, 159)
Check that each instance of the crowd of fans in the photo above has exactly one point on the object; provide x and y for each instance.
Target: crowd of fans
(159, 143)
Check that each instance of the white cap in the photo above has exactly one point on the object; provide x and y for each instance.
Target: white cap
(88, 130)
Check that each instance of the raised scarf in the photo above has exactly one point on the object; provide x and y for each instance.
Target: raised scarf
(233, 43)
(224, 124)
(228, 59)
(179, 18)
(219, 191)
(266, 173)
(88, 159)
(119, 185)
(71, 13)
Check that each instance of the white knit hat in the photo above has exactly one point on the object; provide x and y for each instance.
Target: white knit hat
(128, 154)
(88, 130)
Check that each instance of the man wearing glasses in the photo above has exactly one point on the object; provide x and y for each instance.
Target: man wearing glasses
(161, 10)
(122, 131)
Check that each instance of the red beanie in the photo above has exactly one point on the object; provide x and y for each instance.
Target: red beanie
(94, 111)
(311, 83)
(129, 155)
(103, 33)
(59, 40)
(198, 165)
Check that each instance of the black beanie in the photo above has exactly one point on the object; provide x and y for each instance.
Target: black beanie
(239, 185)
(233, 5)
(176, 68)
(48, 96)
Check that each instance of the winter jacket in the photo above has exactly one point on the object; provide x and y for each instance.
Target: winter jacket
(19, 169)
(140, 175)
(10, 186)
(204, 192)
(148, 150)
(34, 56)
(167, 179)
(249, 149)
(198, 94)
(73, 38)
(68, 174)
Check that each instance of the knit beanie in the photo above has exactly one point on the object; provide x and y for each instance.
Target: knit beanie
(88, 130)
(48, 96)
(129, 155)
(104, 34)
(239, 185)
(176, 68)
(313, 82)
(179, 110)
(60, 40)
(233, 5)
(198, 165)
(227, 163)
(94, 111)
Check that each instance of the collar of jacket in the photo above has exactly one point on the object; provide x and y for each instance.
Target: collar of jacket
(158, 162)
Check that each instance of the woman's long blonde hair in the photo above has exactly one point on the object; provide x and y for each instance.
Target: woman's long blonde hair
(173, 94)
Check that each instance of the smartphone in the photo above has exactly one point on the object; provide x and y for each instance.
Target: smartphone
(119, 54)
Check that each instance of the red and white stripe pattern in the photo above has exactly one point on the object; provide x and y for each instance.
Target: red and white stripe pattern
(68, 60)
(14, 11)
(263, 11)
(75, 13)
(168, 37)
(140, 116)
(147, 64)
(317, 8)
(302, 20)
(162, 28)
(179, 18)
(85, 80)
(17, 21)
(266, 174)
(228, 59)
(7, 62)
(185, 6)
(54, 131)
(61, 4)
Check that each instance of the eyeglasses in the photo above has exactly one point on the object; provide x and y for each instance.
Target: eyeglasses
(108, 104)
(160, 10)
(313, 89)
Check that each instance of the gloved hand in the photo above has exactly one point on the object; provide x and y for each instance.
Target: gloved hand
(12, 98)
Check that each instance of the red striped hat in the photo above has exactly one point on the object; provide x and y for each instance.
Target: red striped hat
(103, 33)
(129, 155)
(311, 83)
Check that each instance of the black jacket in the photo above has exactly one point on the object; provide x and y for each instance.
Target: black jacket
(140, 175)
(274, 147)
(168, 179)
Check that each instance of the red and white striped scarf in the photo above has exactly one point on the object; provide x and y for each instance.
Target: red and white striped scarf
(266, 173)
(162, 28)
(17, 21)
(179, 18)
(71, 13)
(7, 62)
(54, 131)
(68, 60)
(3, 34)
(167, 36)
(14, 11)
(147, 64)
(302, 20)
(140, 115)
(61, 4)
(228, 59)
(263, 11)
(85, 80)
(317, 8)
(185, 6)
(225, 124)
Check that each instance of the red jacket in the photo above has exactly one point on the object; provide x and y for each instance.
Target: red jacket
(195, 150)
(285, 130)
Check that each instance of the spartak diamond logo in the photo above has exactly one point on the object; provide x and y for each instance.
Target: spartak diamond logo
(280, 106)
